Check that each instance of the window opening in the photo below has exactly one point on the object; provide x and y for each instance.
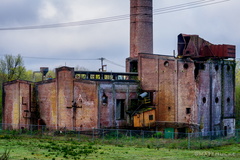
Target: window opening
(204, 99)
(150, 117)
(134, 66)
(185, 66)
(120, 109)
(166, 63)
(216, 67)
(188, 110)
(228, 99)
(228, 68)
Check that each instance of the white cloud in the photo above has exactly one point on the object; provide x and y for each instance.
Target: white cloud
(48, 10)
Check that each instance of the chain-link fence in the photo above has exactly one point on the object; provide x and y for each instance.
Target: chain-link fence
(150, 139)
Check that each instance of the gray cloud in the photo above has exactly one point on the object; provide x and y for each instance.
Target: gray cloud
(215, 23)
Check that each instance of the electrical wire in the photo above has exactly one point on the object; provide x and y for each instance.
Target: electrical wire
(81, 59)
(187, 7)
(174, 8)
(114, 63)
(84, 59)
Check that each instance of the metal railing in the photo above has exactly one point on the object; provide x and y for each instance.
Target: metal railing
(151, 139)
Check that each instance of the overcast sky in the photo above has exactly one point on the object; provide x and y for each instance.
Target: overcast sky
(217, 23)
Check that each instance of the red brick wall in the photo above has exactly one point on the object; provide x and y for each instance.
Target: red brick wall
(141, 27)
(86, 97)
(17, 104)
(47, 99)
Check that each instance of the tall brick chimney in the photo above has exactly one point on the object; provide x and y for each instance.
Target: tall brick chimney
(141, 27)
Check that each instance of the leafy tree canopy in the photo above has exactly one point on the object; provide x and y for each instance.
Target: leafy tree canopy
(11, 68)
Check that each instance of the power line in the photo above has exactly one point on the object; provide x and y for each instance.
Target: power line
(114, 63)
(81, 59)
(188, 7)
(174, 8)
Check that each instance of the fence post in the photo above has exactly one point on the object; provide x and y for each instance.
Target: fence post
(93, 134)
(189, 145)
(79, 135)
(117, 135)
(236, 134)
(130, 135)
(103, 134)
(31, 128)
(143, 135)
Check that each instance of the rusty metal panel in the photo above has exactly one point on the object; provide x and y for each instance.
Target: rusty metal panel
(195, 47)
(223, 51)
(191, 46)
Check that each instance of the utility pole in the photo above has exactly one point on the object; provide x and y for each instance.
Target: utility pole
(102, 65)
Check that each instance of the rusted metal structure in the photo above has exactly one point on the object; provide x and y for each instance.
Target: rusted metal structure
(195, 47)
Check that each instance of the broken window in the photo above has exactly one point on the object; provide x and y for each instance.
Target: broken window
(188, 110)
(150, 117)
(228, 68)
(104, 99)
(198, 67)
(134, 66)
(120, 103)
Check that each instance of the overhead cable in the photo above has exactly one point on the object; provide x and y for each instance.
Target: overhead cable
(174, 8)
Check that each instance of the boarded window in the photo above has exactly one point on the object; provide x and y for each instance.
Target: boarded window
(120, 108)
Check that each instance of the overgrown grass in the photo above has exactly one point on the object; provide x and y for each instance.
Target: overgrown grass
(5, 155)
(37, 148)
(29, 148)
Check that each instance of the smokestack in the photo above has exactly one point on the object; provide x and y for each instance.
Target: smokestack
(141, 27)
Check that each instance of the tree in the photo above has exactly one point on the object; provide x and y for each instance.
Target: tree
(11, 68)
(37, 76)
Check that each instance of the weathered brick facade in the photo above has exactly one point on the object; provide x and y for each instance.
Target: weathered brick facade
(192, 92)
(68, 102)
(189, 93)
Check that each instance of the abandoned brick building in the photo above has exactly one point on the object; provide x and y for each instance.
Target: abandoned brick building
(191, 92)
